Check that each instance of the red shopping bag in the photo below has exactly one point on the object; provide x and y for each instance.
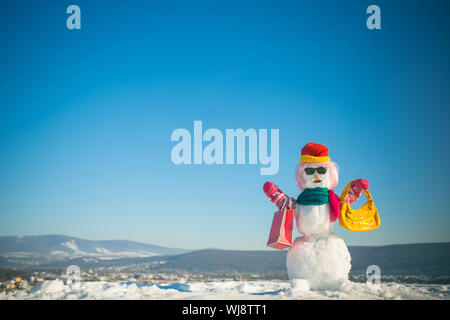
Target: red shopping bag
(281, 232)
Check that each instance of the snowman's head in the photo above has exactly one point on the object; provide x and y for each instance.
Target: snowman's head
(317, 174)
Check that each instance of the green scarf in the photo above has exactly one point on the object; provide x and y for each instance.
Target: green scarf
(313, 196)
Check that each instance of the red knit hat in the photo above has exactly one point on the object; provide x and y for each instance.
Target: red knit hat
(314, 152)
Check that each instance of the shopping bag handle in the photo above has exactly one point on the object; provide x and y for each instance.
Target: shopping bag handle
(288, 200)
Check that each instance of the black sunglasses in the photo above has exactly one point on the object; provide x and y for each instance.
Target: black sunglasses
(320, 170)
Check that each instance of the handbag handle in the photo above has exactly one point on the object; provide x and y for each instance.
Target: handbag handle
(345, 191)
(347, 188)
(368, 195)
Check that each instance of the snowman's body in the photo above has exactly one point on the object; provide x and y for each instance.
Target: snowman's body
(320, 259)
(313, 220)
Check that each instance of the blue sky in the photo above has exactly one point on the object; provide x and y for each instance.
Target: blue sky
(86, 115)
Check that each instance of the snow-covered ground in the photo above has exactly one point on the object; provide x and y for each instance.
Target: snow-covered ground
(231, 290)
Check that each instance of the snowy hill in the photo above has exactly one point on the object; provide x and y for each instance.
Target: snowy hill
(228, 290)
(404, 259)
(37, 250)
(227, 261)
(431, 259)
(57, 252)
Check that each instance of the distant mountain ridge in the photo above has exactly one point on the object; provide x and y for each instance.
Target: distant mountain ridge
(61, 247)
(431, 259)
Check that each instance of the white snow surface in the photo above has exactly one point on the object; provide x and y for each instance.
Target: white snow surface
(100, 253)
(71, 245)
(227, 290)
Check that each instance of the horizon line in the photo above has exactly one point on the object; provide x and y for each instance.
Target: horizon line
(267, 249)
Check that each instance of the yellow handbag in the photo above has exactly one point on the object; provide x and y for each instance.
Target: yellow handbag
(365, 218)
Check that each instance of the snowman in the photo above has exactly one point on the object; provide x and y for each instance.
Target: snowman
(319, 259)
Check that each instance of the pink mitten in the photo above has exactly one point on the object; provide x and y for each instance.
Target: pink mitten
(276, 196)
(356, 188)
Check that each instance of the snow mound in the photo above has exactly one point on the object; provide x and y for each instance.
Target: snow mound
(325, 262)
(48, 287)
(229, 290)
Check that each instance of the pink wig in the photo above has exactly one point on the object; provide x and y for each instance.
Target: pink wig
(331, 166)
